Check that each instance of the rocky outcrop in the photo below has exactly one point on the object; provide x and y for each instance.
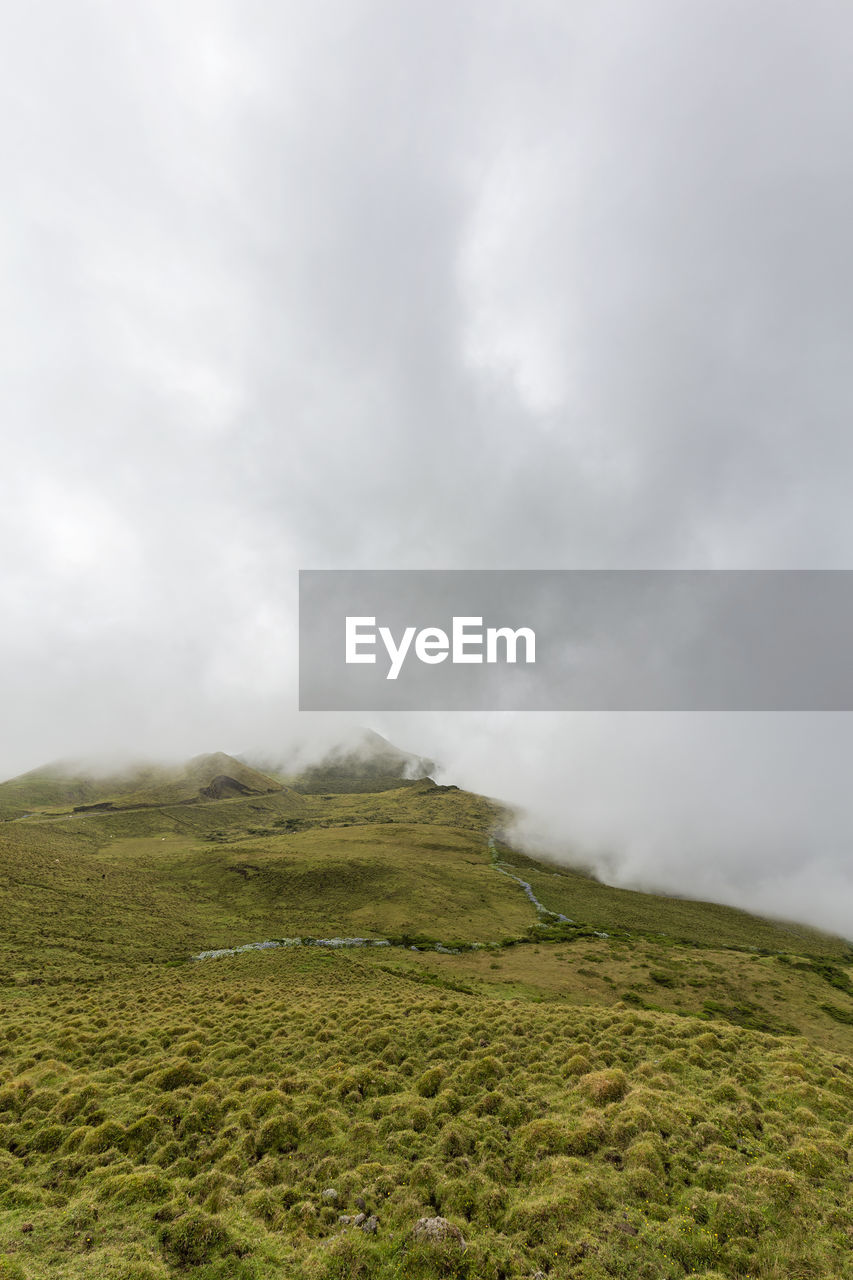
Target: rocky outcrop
(437, 1230)
(224, 787)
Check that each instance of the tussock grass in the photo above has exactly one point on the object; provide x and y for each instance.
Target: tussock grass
(659, 1089)
(683, 1146)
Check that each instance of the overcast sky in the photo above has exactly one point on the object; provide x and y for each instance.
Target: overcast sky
(419, 285)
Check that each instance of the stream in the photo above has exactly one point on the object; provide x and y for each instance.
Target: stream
(541, 910)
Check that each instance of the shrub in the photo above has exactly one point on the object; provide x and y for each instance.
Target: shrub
(448, 1100)
(536, 1217)
(351, 1256)
(135, 1188)
(587, 1136)
(706, 1133)
(47, 1139)
(193, 1238)
(279, 1133)
(263, 1204)
(462, 1196)
(269, 1100)
(578, 1065)
(645, 1154)
(138, 1135)
(427, 1260)
(430, 1082)
(107, 1135)
(321, 1124)
(732, 1217)
(180, 1073)
(76, 1137)
(780, 1186)
(484, 1071)
(809, 1159)
(419, 1119)
(604, 1086)
(455, 1140)
(424, 1178)
(542, 1138)
(81, 1216)
(644, 1184)
(43, 1100)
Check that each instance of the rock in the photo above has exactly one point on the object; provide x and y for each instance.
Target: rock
(330, 1195)
(627, 1228)
(361, 1204)
(361, 1220)
(436, 1230)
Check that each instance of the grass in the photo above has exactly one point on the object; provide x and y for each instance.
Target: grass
(62, 786)
(705, 923)
(193, 1121)
(158, 884)
(660, 1089)
(758, 990)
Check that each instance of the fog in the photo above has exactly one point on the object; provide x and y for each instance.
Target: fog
(412, 286)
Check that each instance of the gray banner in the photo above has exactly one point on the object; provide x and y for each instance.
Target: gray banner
(581, 640)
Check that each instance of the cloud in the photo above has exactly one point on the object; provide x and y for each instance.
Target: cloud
(378, 286)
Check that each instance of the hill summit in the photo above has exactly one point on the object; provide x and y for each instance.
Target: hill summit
(65, 784)
(362, 762)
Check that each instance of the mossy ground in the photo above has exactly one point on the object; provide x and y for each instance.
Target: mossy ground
(189, 1121)
(675, 1098)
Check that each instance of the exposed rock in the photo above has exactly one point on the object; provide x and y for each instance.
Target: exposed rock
(436, 1230)
(330, 1195)
(224, 787)
(360, 1220)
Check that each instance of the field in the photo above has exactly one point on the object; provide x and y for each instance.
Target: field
(657, 1089)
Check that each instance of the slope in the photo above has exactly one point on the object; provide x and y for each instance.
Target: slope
(64, 785)
(655, 1088)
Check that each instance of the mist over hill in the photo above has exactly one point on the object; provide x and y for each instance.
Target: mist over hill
(363, 759)
(256, 1025)
(88, 784)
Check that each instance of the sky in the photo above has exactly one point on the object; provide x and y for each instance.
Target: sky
(379, 285)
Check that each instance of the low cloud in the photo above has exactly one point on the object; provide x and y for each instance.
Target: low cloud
(371, 286)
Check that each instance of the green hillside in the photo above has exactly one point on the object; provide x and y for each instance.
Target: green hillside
(65, 785)
(368, 763)
(650, 1087)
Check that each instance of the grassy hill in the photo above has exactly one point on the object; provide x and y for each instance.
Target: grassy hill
(367, 762)
(652, 1088)
(57, 787)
